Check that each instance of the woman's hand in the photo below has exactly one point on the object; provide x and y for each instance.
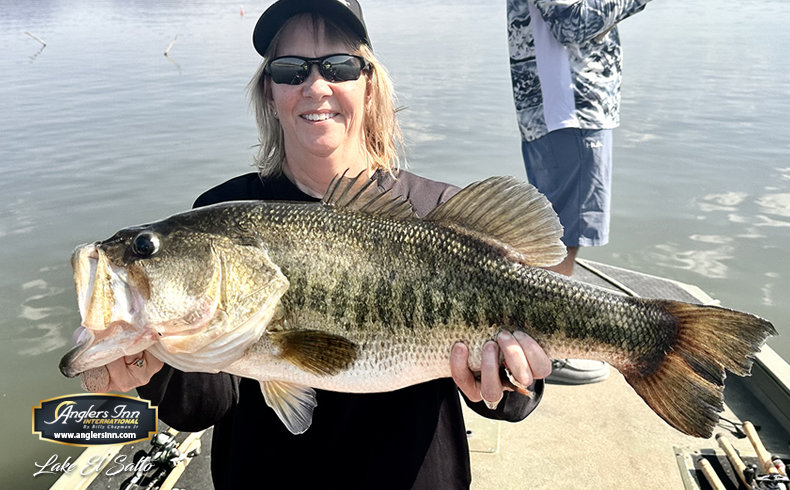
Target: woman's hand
(524, 358)
(123, 374)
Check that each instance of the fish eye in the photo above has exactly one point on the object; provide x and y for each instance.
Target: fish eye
(145, 244)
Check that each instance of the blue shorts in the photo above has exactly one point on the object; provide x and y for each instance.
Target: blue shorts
(573, 169)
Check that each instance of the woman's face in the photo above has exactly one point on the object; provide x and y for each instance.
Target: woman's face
(319, 118)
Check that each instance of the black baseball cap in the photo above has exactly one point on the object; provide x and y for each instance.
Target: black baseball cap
(346, 13)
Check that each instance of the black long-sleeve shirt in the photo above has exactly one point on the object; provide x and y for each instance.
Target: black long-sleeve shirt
(410, 438)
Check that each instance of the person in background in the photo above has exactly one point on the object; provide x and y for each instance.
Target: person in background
(324, 106)
(566, 65)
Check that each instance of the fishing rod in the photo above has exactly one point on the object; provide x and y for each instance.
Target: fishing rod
(771, 475)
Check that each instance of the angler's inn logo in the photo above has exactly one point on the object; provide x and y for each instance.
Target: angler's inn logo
(91, 419)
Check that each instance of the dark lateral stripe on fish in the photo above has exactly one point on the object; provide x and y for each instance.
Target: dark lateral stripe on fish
(397, 305)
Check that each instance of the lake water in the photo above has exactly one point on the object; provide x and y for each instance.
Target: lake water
(99, 131)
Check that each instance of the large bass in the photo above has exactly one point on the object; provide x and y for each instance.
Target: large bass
(357, 294)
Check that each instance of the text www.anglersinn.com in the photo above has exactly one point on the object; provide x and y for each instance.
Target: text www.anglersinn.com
(94, 435)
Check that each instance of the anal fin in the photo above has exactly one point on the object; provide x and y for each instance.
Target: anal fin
(292, 403)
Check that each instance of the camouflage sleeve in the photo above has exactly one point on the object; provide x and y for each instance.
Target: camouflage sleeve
(576, 22)
(514, 407)
(191, 401)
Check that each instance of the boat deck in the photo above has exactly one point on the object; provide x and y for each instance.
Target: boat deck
(596, 436)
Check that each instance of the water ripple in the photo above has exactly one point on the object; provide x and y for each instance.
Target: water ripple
(769, 289)
(42, 319)
(775, 204)
(50, 339)
(708, 263)
(715, 239)
(727, 201)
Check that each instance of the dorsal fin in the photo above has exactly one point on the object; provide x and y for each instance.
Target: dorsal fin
(509, 211)
(361, 194)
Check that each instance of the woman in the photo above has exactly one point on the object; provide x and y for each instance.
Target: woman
(317, 122)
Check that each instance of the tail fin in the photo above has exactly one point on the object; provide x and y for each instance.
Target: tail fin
(687, 388)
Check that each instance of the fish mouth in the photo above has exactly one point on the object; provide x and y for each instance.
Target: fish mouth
(106, 303)
(103, 293)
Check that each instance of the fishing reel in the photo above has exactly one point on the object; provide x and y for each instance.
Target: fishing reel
(154, 465)
(766, 481)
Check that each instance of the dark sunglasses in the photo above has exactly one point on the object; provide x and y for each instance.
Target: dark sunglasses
(294, 70)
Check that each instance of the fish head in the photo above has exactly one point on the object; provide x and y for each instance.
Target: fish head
(176, 290)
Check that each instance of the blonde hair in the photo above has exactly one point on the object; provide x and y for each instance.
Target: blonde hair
(382, 135)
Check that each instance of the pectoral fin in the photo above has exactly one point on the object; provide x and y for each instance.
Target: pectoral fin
(318, 352)
(294, 404)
